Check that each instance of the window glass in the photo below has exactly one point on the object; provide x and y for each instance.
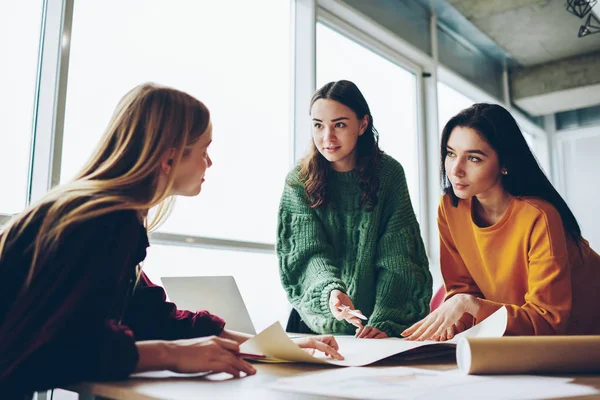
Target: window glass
(20, 23)
(389, 89)
(450, 103)
(237, 63)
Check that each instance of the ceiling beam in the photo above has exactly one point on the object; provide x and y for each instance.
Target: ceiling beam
(560, 85)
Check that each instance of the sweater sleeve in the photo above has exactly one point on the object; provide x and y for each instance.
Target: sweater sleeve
(306, 264)
(152, 317)
(63, 317)
(547, 305)
(403, 287)
(106, 353)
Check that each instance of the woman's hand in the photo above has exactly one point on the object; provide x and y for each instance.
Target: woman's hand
(446, 321)
(207, 354)
(369, 332)
(339, 299)
(326, 344)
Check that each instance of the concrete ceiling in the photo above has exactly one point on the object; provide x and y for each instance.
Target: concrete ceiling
(552, 69)
(531, 31)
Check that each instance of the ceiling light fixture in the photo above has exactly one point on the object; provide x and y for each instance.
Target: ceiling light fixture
(591, 26)
(580, 8)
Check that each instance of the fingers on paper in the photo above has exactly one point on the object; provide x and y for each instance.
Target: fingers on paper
(369, 332)
(365, 332)
(380, 335)
(427, 328)
(439, 328)
(226, 361)
(409, 331)
(460, 326)
(329, 340)
(326, 348)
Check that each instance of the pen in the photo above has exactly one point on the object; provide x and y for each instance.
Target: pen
(352, 312)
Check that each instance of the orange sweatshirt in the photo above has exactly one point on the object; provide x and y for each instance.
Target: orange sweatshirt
(524, 262)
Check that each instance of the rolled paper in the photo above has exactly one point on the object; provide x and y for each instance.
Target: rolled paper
(528, 354)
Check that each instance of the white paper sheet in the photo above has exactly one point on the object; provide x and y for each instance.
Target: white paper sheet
(274, 343)
(411, 383)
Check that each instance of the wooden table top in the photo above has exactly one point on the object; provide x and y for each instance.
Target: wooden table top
(221, 386)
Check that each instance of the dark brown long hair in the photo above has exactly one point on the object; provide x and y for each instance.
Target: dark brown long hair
(314, 168)
(499, 129)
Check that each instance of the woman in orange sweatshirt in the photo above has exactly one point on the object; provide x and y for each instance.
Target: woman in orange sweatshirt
(508, 239)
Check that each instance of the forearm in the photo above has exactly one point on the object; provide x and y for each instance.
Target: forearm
(306, 257)
(238, 337)
(457, 280)
(529, 319)
(151, 317)
(154, 355)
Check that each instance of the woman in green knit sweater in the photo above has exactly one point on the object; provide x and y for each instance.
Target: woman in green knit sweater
(347, 234)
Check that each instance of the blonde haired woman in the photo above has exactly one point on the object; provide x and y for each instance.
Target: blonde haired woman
(73, 294)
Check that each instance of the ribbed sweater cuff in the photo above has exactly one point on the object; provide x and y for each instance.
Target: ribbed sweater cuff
(326, 292)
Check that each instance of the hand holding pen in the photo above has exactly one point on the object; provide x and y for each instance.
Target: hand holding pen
(366, 332)
(354, 313)
(342, 308)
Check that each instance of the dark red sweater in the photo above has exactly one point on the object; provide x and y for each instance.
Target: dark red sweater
(83, 311)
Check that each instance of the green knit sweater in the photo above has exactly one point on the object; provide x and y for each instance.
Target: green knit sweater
(375, 257)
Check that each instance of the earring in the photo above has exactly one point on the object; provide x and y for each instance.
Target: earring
(504, 171)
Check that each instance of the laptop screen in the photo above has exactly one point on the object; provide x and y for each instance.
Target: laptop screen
(217, 294)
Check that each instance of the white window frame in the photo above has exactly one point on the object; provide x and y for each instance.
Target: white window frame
(562, 143)
(48, 105)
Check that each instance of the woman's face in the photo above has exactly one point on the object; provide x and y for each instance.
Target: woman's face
(194, 163)
(472, 165)
(335, 132)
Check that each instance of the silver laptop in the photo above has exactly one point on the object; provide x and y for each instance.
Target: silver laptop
(217, 294)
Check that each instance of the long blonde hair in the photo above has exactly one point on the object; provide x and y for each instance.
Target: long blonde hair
(123, 173)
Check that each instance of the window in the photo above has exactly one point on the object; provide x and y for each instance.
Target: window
(237, 63)
(389, 89)
(539, 147)
(20, 23)
(450, 103)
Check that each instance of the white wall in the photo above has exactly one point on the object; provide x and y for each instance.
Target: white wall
(577, 161)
